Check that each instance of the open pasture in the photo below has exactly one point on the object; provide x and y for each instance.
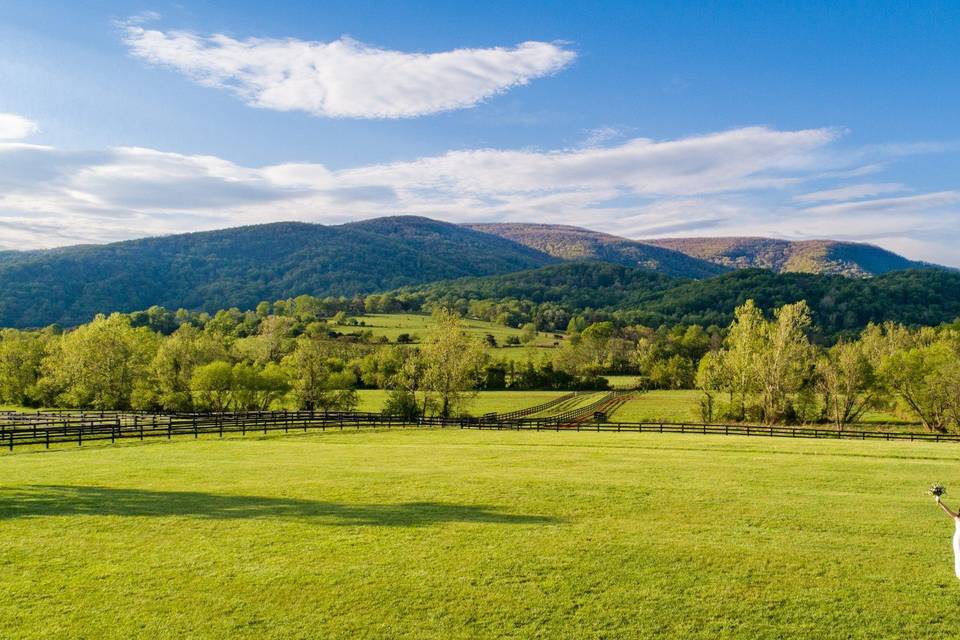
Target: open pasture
(483, 402)
(684, 405)
(465, 534)
(418, 326)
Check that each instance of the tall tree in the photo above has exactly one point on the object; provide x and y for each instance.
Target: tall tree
(319, 381)
(925, 380)
(453, 361)
(847, 382)
(785, 362)
(212, 386)
(97, 364)
(21, 355)
(764, 364)
(171, 369)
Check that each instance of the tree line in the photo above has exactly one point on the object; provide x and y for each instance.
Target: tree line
(111, 364)
(768, 370)
(758, 368)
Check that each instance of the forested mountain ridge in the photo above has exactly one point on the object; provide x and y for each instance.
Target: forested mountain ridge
(575, 243)
(840, 305)
(785, 256)
(572, 285)
(242, 266)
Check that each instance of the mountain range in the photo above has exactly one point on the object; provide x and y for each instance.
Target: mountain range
(785, 256)
(245, 265)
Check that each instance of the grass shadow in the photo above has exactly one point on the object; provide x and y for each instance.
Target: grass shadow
(61, 500)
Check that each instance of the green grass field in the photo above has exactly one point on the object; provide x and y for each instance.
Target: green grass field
(465, 534)
(418, 326)
(483, 402)
(684, 405)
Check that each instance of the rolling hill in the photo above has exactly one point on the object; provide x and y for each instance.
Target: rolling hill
(574, 267)
(574, 243)
(840, 305)
(572, 285)
(785, 256)
(242, 266)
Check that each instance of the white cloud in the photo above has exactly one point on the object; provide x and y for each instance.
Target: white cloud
(738, 182)
(851, 192)
(601, 135)
(15, 127)
(901, 206)
(346, 78)
(748, 158)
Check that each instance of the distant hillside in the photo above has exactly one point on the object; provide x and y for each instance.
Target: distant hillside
(572, 285)
(242, 266)
(572, 267)
(840, 305)
(574, 243)
(785, 256)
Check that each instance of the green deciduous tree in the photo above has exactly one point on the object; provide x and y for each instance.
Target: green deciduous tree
(168, 383)
(98, 364)
(764, 364)
(318, 380)
(452, 362)
(926, 381)
(847, 381)
(21, 355)
(212, 386)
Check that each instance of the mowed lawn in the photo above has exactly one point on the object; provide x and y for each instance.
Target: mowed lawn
(482, 402)
(684, 405)
(465, 534)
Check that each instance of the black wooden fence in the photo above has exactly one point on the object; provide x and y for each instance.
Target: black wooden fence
(46, 429)
(529, 411)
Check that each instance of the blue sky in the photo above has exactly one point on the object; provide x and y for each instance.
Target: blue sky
(835, 120)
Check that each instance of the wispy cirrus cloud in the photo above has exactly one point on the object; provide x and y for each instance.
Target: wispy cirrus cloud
(851, 192)
(900, 206)
(739, 182)
(345, 78)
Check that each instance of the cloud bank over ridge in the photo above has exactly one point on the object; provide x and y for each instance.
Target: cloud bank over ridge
(745, 181)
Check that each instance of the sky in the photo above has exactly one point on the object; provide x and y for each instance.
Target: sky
(795, 120)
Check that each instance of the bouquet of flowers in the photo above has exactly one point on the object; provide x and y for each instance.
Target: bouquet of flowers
(937, 490)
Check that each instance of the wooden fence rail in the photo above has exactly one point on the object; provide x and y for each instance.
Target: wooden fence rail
(79, 430)
(529, 411)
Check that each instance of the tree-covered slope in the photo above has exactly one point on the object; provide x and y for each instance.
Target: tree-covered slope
(913, 297)
(242, 266)
(839, 304)
(574, 243)
(573, 285)
(785, 256)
